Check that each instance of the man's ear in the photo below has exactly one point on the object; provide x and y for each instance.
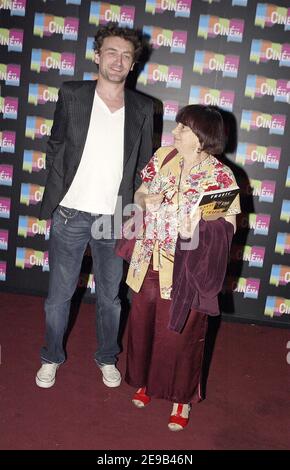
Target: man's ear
(97, 58)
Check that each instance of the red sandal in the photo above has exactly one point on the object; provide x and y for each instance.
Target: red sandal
(179, 416)
(140, 399)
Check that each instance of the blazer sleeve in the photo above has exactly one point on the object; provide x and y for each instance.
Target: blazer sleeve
(57, 135)
(146, 145)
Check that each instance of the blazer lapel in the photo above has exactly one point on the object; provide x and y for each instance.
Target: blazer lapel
(82, 109)
(134, 118)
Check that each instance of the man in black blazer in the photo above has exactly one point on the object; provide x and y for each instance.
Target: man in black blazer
(100, 140)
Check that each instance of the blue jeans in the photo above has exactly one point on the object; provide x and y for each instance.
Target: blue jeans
(70, 234)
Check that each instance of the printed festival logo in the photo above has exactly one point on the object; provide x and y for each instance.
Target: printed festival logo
(181, 8)
(33, 161)
(170, 110)
(248, 286)
(30, 258)
(10, 73)
(265, 51)
(253, 255)
(31, 194)
(174, 39)
(212, 96)
(103, 13)
(9, 107)
(16, 7)
(254, 120)
(257, 87)
(285, 211)
(170, 75)
(264, 189)
(43, 60)
(41, 94)
(4, 235)
(6, 175)
(270, 15)
(46, 25)
(282, 245)
(250, 154)
(280, 275)
(13, 38)
(5, 205)
(37, 127)
(3, 266)
(7, 141)
(214, 26)
(276, 306)
(208, 62)
(31, 226)
(260, 223)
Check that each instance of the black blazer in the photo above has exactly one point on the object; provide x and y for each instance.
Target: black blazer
(68, 135)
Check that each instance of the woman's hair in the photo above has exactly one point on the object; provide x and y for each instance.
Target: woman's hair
(207, 123)
(112, 29)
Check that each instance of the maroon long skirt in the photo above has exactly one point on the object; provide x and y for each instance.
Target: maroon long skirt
(169, 364)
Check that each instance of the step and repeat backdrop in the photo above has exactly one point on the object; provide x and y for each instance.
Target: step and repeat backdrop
(234, 54)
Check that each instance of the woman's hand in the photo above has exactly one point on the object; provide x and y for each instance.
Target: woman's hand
(189, 223)
(153, 202)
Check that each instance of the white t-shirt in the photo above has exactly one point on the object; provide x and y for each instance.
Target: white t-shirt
(96, 183)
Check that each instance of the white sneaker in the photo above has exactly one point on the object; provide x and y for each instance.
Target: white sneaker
(45, 377)
(111, 375)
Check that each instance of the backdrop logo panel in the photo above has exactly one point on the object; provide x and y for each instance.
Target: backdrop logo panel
(31, 194)
(31, 226)
(90, 53)
(29, 258)
(250, 154)
(288, 178)
(285, 211)
(170, 110)
(10, 73)
(211, 96)
(213, 26)
(254, 120)
(179, 7)
(3, 266)
(208, 62)
(240, 3)
(248, 286)
(174, 39)
(280, 275)
(33, 161)
(277, 306)
(265, 51)
(103, 13)
(6, 175)
(16, 7)
(167, 139)
(282, 243)
(5, 205)
(270, 15)
(264, 189)
(254, 255)
(87, 282)
(260, 223)
(41, 94)
(44, 60)
(9, 107)
(7, 141)
(13, 38)
(37, 127)
(170, 75)
(257, 87)
(4, 234)
(47, 25)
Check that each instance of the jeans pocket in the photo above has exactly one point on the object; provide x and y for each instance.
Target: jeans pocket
(67, 213)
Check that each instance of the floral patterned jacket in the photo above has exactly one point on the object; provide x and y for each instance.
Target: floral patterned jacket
(162, 227)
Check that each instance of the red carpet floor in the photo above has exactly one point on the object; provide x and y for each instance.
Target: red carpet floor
(247, 404)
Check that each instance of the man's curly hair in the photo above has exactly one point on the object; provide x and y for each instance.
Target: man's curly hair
(112, 29)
